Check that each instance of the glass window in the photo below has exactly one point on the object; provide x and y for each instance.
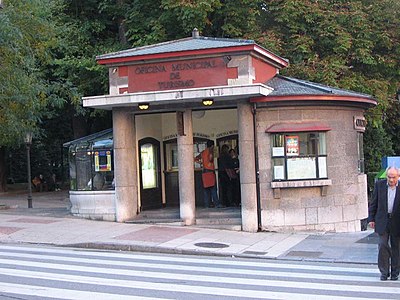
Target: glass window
(198, 147)
(90, 171)
(91, 162)
(171, 150)
(72, 169)
(172, 156)
(83, 161)
(300, 155)
(149, 166)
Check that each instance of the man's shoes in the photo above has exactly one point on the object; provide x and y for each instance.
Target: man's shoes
(384, 277)
(394, 277)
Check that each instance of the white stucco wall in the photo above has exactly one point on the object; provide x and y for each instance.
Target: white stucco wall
(213, 122)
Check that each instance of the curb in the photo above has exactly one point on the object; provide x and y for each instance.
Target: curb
(154, 249)
(160, 250)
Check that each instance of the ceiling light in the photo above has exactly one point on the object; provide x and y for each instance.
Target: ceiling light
(208, 102)
(143, 106)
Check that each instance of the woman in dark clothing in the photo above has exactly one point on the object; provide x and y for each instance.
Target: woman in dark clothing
(235, 180)
(226, 171)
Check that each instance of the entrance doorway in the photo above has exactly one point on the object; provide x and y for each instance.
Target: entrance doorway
(172, 175)
(150, 174)
(229, 187)
(231, 140)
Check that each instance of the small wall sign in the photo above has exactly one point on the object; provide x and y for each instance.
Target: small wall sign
(360, 123)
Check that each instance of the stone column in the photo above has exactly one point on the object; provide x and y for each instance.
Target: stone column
(125, 164)
(247, 168)
(186, 167)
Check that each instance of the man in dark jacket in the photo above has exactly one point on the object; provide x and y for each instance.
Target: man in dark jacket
(384, 216)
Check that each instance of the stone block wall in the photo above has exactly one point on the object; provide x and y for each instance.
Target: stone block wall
(342, 203)
(95, 205)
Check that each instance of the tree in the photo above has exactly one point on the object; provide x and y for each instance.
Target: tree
(25, 36)
(346, 44)
(85, 29)
(377, 144)
(391, 125)
(150, 22)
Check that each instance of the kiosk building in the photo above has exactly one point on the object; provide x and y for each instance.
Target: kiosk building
(300, 143)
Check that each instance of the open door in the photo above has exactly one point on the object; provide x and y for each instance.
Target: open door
(150, 174)
(172, 175)
(229, 189)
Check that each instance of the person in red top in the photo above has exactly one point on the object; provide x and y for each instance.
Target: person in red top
(206, 157)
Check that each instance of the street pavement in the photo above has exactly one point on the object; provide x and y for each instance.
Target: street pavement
(50, 223)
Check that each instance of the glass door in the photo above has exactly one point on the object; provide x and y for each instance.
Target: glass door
(150, 171)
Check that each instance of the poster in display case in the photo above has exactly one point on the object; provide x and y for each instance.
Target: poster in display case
(102, 161)
(292, 145)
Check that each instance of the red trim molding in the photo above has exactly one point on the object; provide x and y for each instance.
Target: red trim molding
(298, 127)
(339, 98)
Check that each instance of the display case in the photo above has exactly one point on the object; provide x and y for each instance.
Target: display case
(91, 162)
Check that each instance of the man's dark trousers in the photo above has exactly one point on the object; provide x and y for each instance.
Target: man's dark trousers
(388, 255)
(387, 226)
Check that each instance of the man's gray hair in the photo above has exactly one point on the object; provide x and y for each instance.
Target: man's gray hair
(394, 168)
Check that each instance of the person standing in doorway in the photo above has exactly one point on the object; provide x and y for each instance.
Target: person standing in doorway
(226, 176)
(384, 217)
(206, 158)
(235, 179)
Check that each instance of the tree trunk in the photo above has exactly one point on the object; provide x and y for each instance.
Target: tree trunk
(121, 25)
(3, 170)
(79, 126)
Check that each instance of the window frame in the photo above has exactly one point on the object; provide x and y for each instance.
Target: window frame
(83, 171)
(281, 153)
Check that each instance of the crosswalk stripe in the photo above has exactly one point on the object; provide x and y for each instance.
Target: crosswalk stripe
(40, 291)
(196, 289)
(203, 260)
(187, 277)
(209, 269)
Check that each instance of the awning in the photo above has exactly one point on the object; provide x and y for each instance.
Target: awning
(298, 127)
(100, 139)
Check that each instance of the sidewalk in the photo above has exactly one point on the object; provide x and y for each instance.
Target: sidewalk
(50, 223)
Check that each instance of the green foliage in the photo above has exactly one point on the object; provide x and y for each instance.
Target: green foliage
(235, 19)
(391, 124)
(150, 22)
(348, 44)
(377, 144)
(25, 36)
(143, 23)
(187, 14)
(83, 32)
